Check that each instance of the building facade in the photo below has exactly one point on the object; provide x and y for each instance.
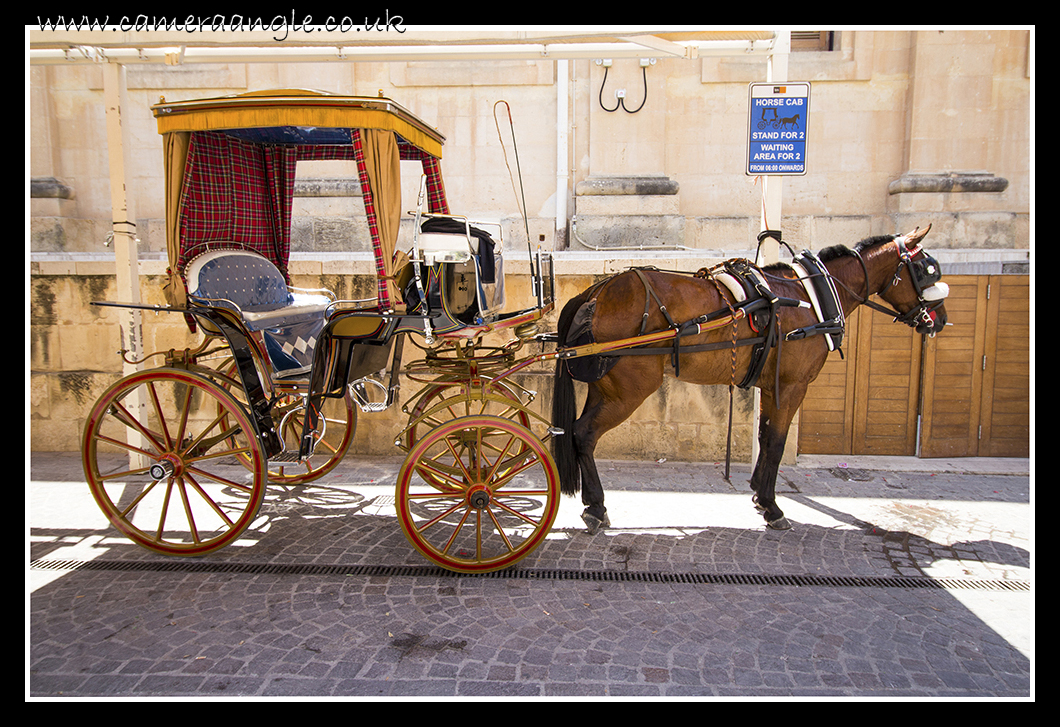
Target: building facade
(635, 159)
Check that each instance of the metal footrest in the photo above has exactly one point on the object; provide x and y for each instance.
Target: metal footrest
(364, 399)
(284, 457)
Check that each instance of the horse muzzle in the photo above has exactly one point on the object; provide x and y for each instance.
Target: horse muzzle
(929, 318)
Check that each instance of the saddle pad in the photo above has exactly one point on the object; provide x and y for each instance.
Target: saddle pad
(734, 286)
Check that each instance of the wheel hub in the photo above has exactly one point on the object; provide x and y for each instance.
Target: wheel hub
(169, 465)
(478, 497)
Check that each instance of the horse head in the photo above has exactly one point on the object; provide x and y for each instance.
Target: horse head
(916, 291)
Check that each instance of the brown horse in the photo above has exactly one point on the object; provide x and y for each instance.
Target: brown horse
(625, 305)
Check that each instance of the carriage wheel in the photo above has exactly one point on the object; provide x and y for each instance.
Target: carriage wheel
(492, 496)
(335, 430)
(461, 403)
(190, 496)
(449, 400)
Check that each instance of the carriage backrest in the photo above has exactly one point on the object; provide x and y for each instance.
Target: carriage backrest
(290, 320)
(239, 276)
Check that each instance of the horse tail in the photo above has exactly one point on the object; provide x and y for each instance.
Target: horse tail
(564, 409)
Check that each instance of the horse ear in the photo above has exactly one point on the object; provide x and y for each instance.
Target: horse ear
(912, 239)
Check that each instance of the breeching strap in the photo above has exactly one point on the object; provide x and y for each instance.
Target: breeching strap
(732, 376)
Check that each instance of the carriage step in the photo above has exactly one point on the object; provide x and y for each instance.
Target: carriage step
(283, 457)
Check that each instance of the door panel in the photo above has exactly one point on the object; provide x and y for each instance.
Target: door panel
(975, 380)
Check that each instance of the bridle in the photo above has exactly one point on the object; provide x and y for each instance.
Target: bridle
(926, 276)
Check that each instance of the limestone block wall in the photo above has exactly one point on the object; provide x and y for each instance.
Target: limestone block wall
(73, 359)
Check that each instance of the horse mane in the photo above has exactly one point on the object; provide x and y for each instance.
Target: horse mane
(835, 251)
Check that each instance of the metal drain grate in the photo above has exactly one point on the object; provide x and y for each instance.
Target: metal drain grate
(540, 574)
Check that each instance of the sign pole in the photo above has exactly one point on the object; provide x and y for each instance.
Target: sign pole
(772, 203)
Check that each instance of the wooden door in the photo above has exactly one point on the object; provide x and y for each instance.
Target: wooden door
(953, 375)
(865, 403)
(973, 395)
(826, 419)
(977, 372)
(886, 386)
(1006, 429)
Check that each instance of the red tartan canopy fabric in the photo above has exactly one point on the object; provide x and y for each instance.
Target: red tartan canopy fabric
(240, 194)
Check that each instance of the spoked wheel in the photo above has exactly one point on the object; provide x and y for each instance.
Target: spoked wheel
(490, 497)
(450, 400)
(335, 429)
(191, 496)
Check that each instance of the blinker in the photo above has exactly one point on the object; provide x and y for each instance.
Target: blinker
(938, 291)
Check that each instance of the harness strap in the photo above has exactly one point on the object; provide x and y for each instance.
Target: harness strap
(649, 295)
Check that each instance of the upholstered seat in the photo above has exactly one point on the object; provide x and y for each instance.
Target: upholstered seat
(289, 319)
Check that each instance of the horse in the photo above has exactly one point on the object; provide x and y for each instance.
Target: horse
(790, 121)
(892, 267)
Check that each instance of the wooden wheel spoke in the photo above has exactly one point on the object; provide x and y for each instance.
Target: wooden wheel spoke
(439, 518)
(458, 459)
(124, 416)
(442, 475)
(209, 500)
(500, 530)
(165, 510)
(187, 511)
(497, 462)
(515, 471)
(157, 404)
(215, 455)
(208, 444)
(136, 500)
(220, 480)
(185, 412)
(516, 513)
(456, 531)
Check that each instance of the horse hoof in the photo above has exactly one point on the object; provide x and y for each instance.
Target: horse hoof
(593, 523)
(780, 523)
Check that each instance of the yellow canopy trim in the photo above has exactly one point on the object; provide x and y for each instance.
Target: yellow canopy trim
(262, 110)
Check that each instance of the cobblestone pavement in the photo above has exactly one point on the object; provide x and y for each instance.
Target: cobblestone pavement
(687, 595)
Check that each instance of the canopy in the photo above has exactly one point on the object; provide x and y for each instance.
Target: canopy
(230, 168)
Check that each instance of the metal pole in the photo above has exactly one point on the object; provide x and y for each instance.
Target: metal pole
(123, 234)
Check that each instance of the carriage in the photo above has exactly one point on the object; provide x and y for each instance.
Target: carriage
(272, 391)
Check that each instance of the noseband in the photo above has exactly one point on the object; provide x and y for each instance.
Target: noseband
(926, 276)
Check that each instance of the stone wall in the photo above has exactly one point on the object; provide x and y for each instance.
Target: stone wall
(906, 128)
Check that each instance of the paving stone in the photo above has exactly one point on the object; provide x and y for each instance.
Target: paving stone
(153, 632)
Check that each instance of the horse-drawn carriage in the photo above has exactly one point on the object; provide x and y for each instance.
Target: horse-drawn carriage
(272, 392)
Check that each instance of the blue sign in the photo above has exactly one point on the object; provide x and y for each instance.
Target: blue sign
(777, 121)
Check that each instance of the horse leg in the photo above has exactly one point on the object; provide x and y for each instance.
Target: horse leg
(774, 423)
(585, 438)
(607, 405)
